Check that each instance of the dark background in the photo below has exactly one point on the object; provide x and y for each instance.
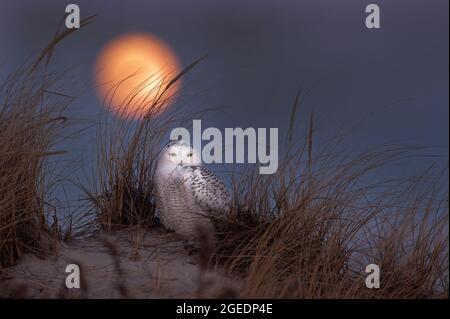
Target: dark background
(391, 82)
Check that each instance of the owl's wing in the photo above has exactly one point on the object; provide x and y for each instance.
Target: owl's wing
(209, 191)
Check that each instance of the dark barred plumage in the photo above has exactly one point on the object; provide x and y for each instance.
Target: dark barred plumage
(209, 192)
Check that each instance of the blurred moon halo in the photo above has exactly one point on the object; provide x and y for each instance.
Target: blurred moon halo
(132, 70)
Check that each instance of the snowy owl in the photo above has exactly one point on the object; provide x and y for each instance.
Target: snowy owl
(187, 193)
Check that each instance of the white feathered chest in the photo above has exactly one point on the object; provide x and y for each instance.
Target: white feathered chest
(187, 196)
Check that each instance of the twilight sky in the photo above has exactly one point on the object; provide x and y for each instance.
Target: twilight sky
(259, 53)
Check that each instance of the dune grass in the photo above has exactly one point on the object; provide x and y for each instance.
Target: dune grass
(32, 122)
(310, 230)
(311, 235)
(307, 231)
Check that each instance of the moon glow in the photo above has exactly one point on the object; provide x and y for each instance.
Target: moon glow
(131, 71)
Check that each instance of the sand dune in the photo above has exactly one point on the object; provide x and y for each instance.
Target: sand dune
(131, 263)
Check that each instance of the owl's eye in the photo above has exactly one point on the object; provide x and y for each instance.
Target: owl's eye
(189, 155)
(171, 154)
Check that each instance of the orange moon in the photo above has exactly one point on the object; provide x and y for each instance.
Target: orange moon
(131, 72)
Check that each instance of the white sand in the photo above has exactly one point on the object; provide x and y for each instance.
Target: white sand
(154, 265)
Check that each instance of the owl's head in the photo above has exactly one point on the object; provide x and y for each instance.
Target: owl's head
(180, 153)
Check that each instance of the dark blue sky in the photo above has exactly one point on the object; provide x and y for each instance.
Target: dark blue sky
(260, 52)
